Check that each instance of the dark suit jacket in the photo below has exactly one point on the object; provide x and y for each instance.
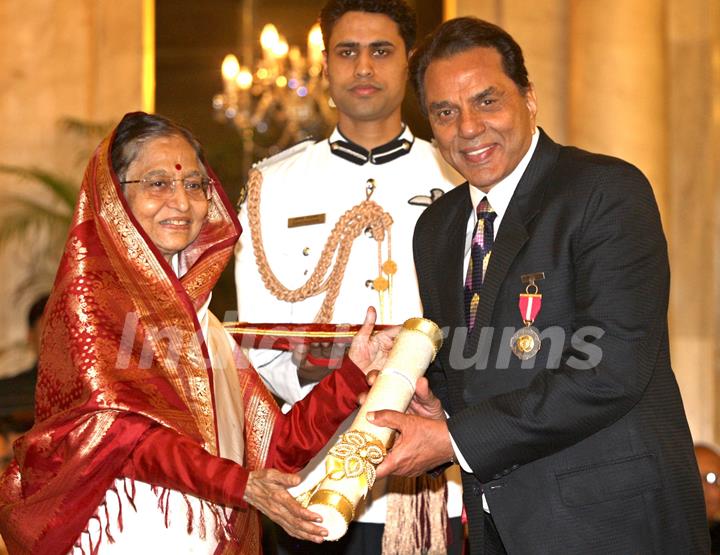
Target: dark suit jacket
(587, 451)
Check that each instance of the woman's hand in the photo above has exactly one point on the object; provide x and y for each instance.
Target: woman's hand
(266, 490)
(369, 351)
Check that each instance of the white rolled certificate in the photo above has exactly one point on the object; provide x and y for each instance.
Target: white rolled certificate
(350, 464)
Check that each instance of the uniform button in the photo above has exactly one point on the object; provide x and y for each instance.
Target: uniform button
(515, 467)
(497, 476)
(368, 232)
(305, 273)
(477, 490)
(306, 251)
(369, 283)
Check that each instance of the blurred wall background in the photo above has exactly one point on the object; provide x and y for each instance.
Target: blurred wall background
(60, 61)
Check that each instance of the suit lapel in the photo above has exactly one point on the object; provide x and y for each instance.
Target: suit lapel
(512, 235)
(451, 268)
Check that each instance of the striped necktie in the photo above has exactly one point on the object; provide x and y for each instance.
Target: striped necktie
(480, 250)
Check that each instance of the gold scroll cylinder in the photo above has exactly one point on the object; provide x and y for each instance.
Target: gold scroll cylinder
(350, 465)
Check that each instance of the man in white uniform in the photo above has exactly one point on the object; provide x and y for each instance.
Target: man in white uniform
(297, 197)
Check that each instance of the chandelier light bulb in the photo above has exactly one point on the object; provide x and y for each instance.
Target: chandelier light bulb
(315, 37)
(315, 45)
(230, 67)
(280, 50)
(269, 37)
(244, 78)
(280, 89)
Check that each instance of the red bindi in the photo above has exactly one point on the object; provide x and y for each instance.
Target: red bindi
(178, 167)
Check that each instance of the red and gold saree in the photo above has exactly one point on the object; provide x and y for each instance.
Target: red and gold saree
(127, 388)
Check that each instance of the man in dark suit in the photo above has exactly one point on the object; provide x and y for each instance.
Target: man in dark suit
(581, 446)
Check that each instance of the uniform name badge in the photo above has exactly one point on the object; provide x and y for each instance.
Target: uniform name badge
(525, 342)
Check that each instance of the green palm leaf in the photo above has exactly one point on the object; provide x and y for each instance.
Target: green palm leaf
(20, 216)
(38, 230)
(65, 190)
(86, 129)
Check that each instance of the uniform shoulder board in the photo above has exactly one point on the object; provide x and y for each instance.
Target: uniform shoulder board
(270, 161)
(285, 154)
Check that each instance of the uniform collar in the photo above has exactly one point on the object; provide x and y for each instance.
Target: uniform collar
(399, 146)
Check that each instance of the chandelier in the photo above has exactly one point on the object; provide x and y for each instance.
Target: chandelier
(280, 99)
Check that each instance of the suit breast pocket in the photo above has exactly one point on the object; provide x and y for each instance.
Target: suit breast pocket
(617, 479)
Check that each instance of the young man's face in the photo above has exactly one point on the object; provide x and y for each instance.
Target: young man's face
(366, 66)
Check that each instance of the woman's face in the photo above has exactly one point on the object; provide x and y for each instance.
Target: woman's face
(174, 222)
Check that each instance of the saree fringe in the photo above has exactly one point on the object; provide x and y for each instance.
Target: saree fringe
(94, 548)
(203, 529)
(120, 511)
(190, 515)
(222, 525)
(219, 528)
(130, 495)
(107, 523)
(166, 510)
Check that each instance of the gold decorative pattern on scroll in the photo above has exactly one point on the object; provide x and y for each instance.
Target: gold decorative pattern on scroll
(355, 455)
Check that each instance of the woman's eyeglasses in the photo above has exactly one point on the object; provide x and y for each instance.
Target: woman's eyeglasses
(163, 188)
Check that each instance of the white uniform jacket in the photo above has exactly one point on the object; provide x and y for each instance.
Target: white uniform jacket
(328, 178)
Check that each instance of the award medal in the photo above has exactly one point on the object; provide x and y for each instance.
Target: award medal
(525, 342)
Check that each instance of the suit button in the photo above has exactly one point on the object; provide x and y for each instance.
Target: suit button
(497, 476)
(515, 467)
(477, 490)
(369, 283)
(306, 251)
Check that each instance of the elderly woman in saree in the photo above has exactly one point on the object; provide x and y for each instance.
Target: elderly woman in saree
(153, 433)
